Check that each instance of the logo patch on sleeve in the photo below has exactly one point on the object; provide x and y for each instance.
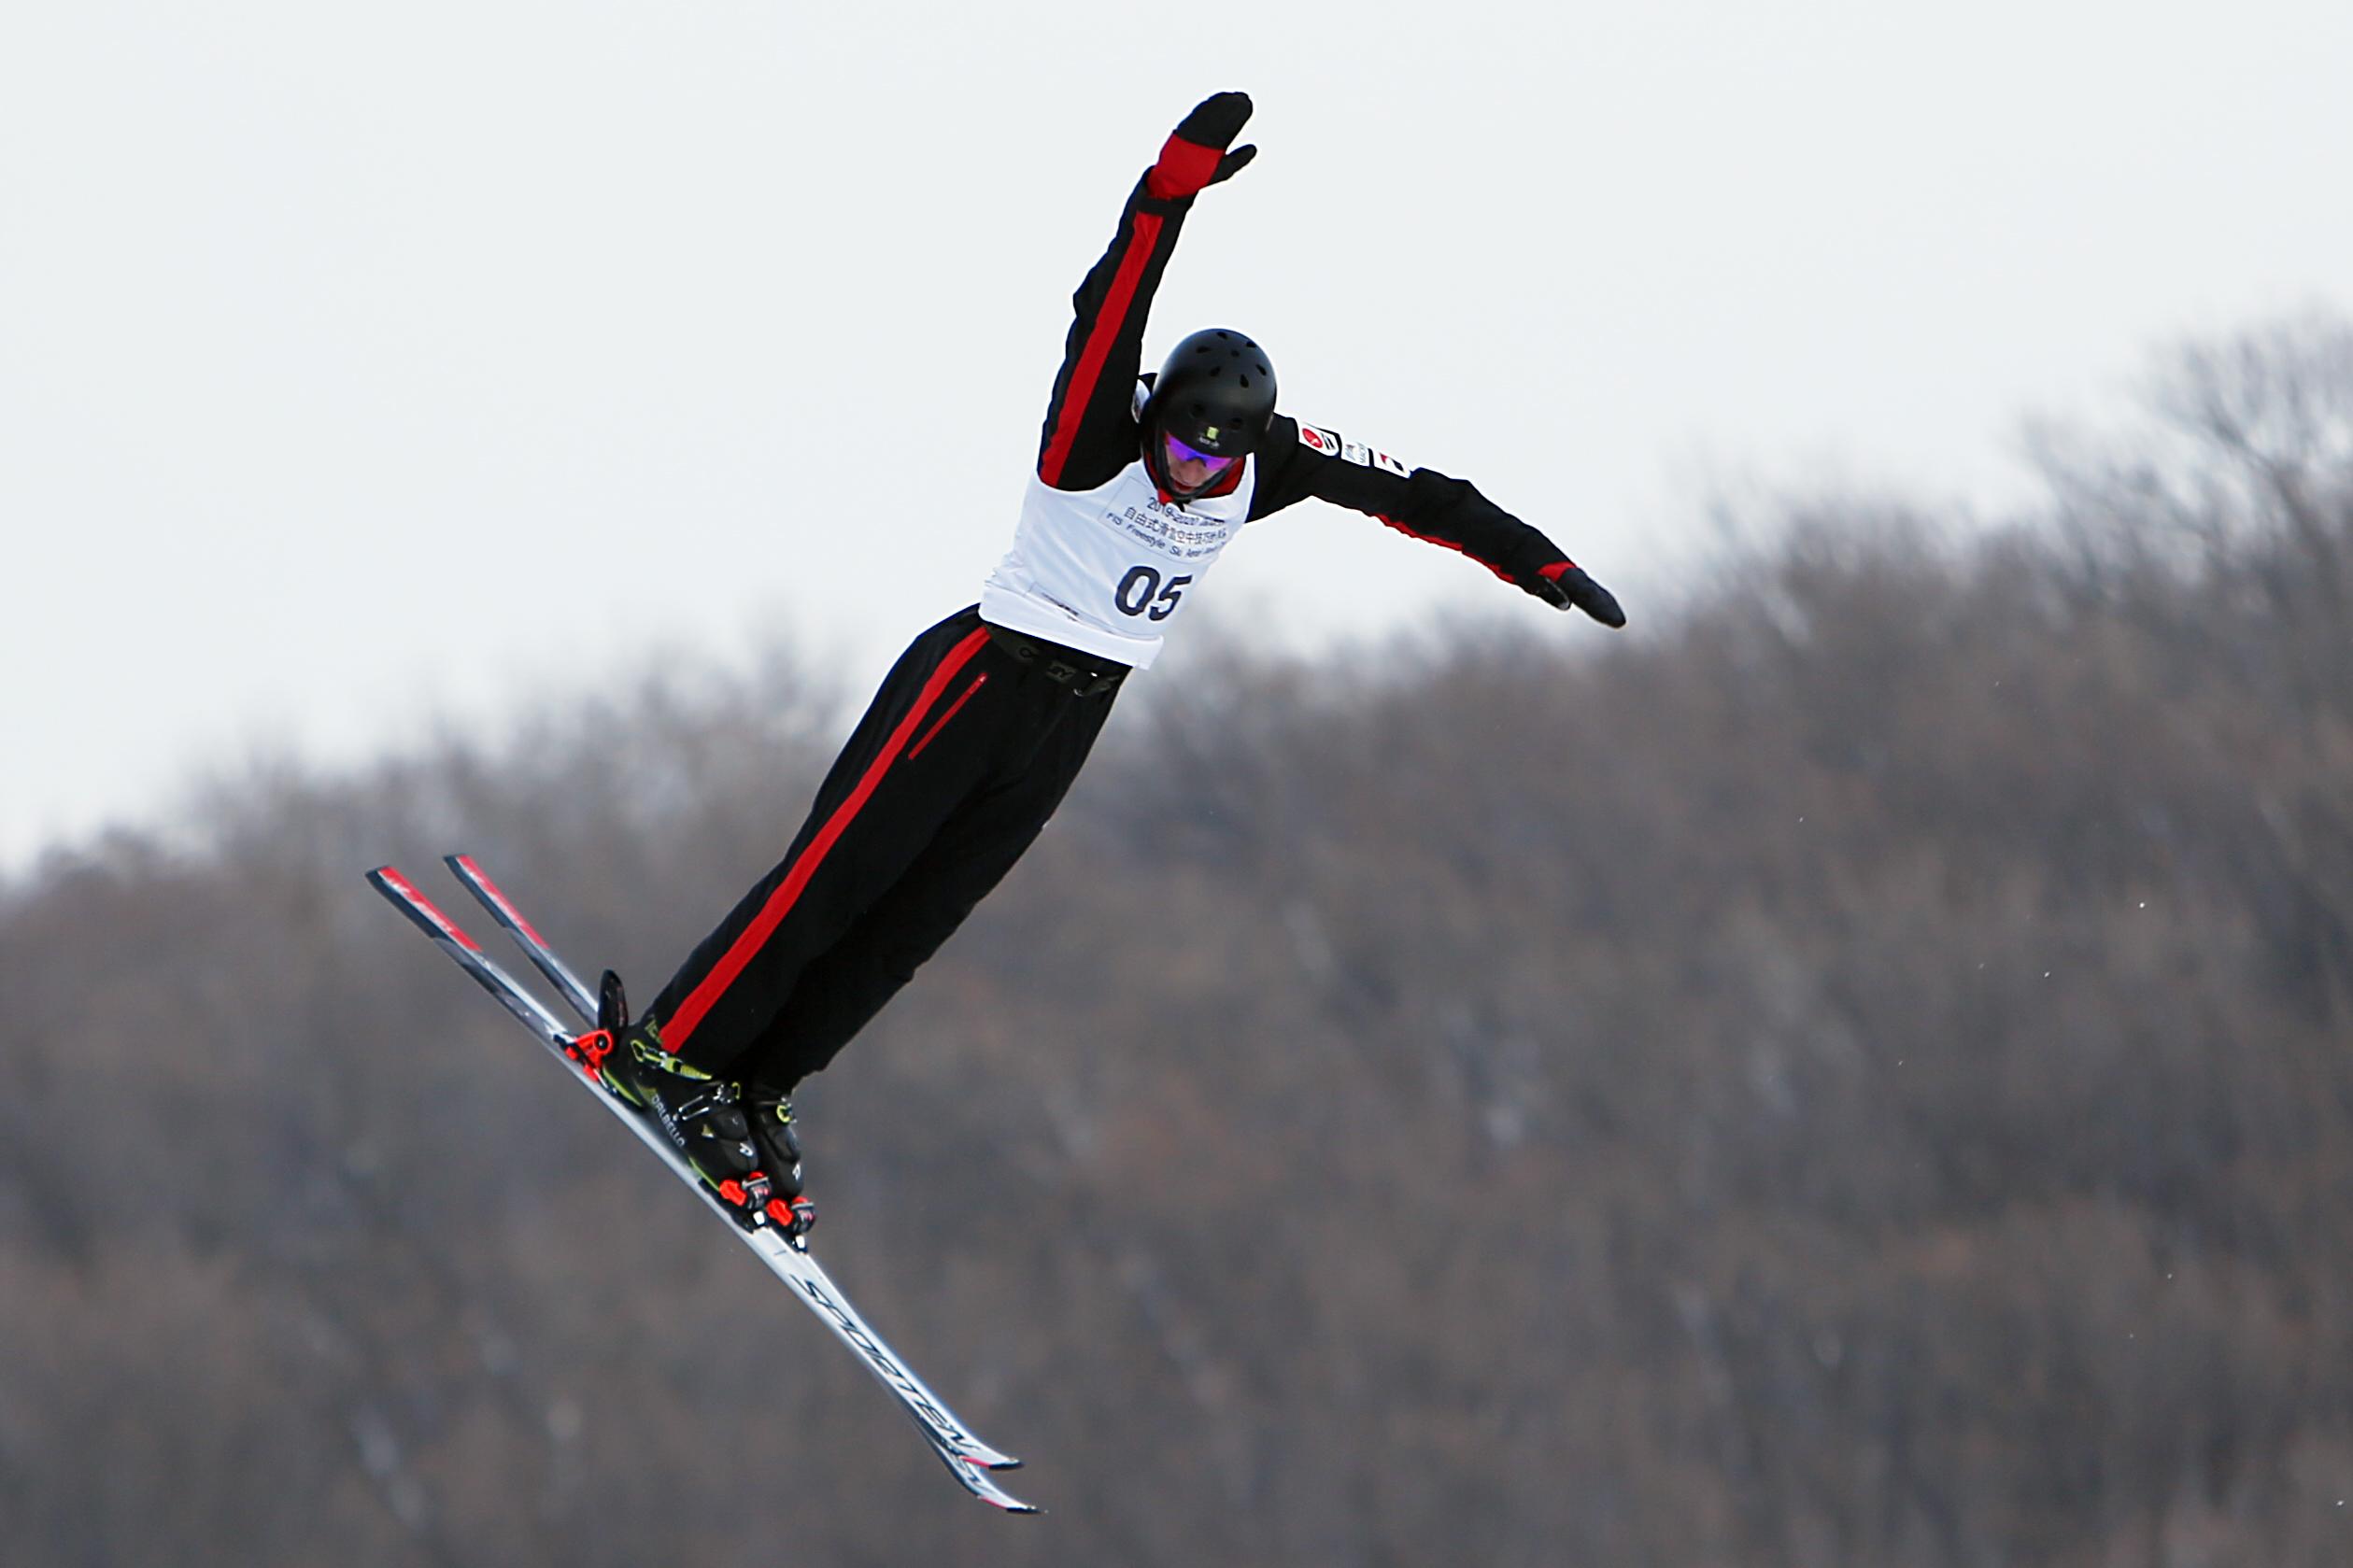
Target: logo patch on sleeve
(1382, 459)
(1325, 442)
(1356, 452)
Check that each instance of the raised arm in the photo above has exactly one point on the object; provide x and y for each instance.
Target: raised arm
(1090, 428)
(1300, 461)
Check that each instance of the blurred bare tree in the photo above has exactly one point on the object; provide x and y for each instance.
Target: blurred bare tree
(1856, 1076)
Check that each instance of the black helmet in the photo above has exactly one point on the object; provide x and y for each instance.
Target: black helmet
(1214, 393)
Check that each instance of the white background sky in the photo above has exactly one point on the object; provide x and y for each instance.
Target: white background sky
(364, 365)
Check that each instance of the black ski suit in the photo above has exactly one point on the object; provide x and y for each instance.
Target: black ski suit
(979, 729)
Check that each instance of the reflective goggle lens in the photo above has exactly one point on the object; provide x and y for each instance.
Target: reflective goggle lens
(1179, 452)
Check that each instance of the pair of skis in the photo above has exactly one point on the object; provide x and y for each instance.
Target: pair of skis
(968, 1459)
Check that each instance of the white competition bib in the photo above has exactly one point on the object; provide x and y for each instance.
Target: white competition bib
(1104, 571)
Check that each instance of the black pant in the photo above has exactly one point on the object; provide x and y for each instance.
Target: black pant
(960, 758)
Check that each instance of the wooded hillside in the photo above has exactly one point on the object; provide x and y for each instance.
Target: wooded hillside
(1856, 1070)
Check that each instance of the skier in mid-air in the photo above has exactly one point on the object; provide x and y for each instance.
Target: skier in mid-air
(978, 731)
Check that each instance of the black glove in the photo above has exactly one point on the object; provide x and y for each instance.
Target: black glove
(1566, 587)
(1196, 156)
(1216, 119)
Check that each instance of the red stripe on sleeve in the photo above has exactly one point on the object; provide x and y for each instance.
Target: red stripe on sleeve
(677, 1029)
(1443, 544)
(1089, 369)
(1183, 169)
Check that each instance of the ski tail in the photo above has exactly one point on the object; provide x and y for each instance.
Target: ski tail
(477, 882)
(405, 898)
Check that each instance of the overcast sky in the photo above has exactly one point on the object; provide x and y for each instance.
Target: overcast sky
(359, 365)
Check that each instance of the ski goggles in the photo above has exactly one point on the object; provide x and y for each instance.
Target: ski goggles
(1179, 452)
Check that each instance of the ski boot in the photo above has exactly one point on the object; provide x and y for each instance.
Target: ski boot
(769, 1112)
(699, 1113)
(704, 1115)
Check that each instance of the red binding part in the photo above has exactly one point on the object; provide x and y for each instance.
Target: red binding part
(592, 1048)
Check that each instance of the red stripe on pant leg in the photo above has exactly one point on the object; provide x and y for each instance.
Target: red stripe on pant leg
(677, 1029)
(978, 681)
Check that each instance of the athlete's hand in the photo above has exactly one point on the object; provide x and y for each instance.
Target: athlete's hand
(1196, 155)
(1233, 162)
(1565, 585)
(1215, 121)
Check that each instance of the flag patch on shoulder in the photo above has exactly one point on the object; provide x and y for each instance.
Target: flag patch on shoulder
(1331, 443)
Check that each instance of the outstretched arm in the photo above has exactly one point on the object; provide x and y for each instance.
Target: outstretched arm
(1090, 431)
(1301, 460)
